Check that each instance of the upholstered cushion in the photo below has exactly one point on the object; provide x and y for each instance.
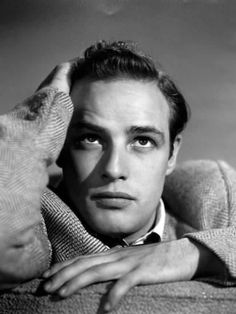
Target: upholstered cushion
(182, 297)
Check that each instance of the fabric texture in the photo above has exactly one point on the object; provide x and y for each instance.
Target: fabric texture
(170, 298)
(200, 197)
(200, 204)
(31, 137)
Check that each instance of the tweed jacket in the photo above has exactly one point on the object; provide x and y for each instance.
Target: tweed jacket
(37, 228)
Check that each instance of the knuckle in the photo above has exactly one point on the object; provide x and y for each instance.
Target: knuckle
(59, 277)
(97, 272)
(55, 268)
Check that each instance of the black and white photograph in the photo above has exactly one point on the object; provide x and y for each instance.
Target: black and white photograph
(117, 156)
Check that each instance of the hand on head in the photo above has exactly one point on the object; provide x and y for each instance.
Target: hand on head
(60, 76)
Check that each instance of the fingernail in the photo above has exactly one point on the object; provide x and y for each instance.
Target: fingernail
(47, 286)
(63, 292)
(107, 307)
(46, 274)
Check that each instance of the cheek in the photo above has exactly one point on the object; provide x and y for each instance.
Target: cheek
(81, 165)
(152, 178)
(154, 168)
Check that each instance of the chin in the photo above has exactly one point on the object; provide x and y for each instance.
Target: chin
(109, 229)
(109, 223)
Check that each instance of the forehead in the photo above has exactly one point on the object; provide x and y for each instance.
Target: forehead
(120, 102)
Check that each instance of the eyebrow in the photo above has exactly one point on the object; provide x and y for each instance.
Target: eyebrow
(147, 129)
(87, 125)
(135, 129)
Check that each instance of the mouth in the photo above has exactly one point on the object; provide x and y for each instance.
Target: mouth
(112, 200)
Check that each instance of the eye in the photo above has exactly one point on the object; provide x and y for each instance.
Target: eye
(87, 141)
(90, 139)
(143, 142)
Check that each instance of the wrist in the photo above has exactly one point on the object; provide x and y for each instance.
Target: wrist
(191, 257)
(205, 262)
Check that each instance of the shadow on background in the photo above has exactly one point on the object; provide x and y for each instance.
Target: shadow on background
(195, 41)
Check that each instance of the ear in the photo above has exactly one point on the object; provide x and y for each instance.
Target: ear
(175, 151)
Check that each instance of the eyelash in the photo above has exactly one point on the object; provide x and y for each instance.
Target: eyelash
(79, 142)
(145, 138)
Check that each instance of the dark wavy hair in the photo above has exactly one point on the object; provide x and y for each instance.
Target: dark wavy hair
(105, 60)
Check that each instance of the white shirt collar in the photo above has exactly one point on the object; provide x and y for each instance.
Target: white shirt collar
(160, 221)
(158, 227)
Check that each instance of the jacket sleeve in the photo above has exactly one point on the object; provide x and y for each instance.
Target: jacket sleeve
(31, 137)
(220, 236)
(207, 201)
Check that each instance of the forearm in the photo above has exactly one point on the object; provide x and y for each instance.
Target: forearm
(208, 206)
(31, 138)
(205, 263)
(178, 260)
(25, 250)
(218, 254)
(24, 258)
(186, 259)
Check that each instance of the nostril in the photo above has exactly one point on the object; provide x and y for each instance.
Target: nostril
(113, 165)
(113, 177)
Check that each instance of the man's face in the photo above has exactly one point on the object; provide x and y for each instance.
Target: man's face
(117, 155)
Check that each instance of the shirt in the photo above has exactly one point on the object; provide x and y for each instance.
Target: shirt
(156, 233)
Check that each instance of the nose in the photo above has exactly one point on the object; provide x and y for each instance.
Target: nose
(115, 165)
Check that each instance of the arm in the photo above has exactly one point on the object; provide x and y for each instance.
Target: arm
(220, 238)
(31, 136)
(206, 200)
(148, 264)
(183, 259)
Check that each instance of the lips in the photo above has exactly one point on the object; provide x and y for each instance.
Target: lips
(112, 200)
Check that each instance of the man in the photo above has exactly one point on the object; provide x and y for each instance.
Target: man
(122, 142)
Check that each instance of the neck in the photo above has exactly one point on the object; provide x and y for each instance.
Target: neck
(149, 226)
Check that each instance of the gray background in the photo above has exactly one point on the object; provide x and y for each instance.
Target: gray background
(194, 40)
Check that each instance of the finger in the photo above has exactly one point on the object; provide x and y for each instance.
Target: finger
(83, 261)
(61, 273)
(98, 273)
(60, 76)
(59, 276)
(120, 289)
(56, 267)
